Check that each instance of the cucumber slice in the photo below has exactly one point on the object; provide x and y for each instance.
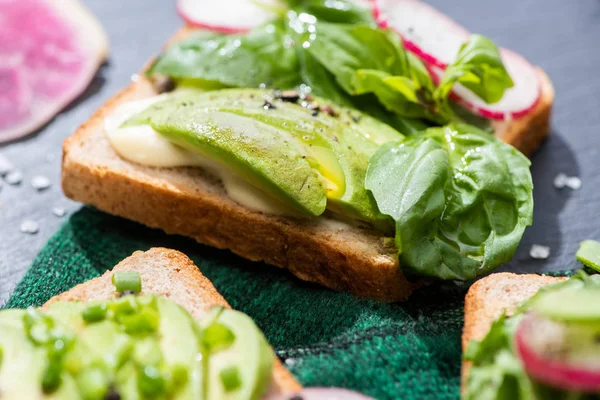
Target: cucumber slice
(574, 305)
(242, 370)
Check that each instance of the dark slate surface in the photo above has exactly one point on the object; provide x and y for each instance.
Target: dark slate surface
(561, 36)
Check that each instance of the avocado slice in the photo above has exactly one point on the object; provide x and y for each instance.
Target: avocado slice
(265, 156)
(23, 363)
(337, 147)
(241, 367)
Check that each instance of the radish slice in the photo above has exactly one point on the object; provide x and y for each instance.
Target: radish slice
(542, 345)
(436, 39)
(517, 101)
(432, 36)
(234, 16)
(49, 53)
(317, 393)
(231, 16)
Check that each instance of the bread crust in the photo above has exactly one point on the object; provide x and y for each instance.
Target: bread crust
(489, 297)
(170, 274)
(187, 201)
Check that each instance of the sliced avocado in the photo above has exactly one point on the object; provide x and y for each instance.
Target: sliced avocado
(267, 157)
(337, 147)
(23, 363)
(180, 347)
(241, 369)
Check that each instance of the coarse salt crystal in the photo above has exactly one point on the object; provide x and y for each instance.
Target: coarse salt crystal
(5, 165)
(30, 226)
(539, 252)
(13, 177)
(40, 182)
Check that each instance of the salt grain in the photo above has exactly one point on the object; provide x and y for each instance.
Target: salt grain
(539, 252)
(30, 226)
(5, 165)
(573, 183)
(59, 212)
(40, 182)
(562, 180)
(13, 178)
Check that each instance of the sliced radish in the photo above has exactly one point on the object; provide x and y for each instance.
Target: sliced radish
(319, 393)
(517, 101)
(426, 32)
(436, 39)
(231, 16)
(544, 345)
(235, 16)
(49, 53)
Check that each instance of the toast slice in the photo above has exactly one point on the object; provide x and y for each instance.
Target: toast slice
(489, 297)
(190, 202)
(170, 274)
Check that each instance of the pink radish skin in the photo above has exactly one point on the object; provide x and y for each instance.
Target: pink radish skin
(552, 372)
(56, 48)
(322, 393)
(410, 18)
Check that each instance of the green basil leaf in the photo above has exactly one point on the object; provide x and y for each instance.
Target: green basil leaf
(339, 11)
(266, 55)
(478, 67)
(460, 197)
(364, 60)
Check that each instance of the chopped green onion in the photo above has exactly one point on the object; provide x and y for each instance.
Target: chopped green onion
(124, 306)
(230, 377)
(127, 280)
(589, 254)
(217, 337)
(151, 383)
(94, 312)
(144, 321)
(51, 378)
(1, 355)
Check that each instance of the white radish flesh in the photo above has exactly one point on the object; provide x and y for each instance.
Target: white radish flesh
(230, 16)
(429, 34)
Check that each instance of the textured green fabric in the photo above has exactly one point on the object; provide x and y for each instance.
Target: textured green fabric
(397, 351)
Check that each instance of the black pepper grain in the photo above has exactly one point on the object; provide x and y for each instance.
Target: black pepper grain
(268, 105)
(126, 293)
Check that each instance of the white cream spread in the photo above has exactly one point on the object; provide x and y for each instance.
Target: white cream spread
(143, 145)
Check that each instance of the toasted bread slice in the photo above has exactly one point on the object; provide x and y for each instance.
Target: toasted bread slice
(173, 275)
(489, 297)
(190, 202)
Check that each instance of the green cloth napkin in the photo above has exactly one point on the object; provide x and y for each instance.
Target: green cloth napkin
(389, 351)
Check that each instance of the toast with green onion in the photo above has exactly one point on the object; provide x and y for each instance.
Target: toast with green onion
(172, 275)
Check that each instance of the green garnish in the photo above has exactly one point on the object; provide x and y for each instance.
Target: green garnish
(460, 197)
(230, 377)
(589, 254)
(151, 382)
(94, 312)
(127, 280)
(217, 337)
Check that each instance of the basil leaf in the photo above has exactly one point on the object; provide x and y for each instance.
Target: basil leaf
(364, 60)
(266, 55)
(478, 67)
(460, 197)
